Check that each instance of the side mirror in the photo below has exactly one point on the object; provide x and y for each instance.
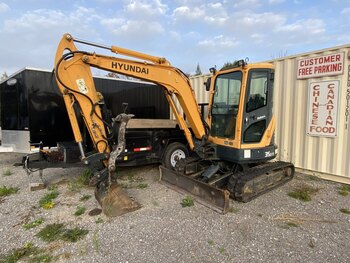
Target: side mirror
(207, 84)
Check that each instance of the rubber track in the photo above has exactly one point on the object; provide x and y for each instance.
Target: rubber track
(237, 182)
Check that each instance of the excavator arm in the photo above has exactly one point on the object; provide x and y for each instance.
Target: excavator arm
(74, 77)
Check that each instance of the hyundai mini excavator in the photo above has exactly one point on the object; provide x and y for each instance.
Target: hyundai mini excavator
(230, 150)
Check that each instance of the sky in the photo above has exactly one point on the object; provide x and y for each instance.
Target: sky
(185, 32)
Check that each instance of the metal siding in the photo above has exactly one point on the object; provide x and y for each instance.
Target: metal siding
(323, 156)
(318, 154)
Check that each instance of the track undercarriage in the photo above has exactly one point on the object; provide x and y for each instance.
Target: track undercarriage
(213, 184)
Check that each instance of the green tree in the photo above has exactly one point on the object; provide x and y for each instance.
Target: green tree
(198, 70)
(228, 65)
(3, 76)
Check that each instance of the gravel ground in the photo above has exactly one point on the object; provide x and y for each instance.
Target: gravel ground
(272, 228)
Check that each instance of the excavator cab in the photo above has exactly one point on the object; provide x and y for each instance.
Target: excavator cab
(240, 118)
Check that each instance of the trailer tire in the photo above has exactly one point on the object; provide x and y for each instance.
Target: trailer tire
(174, 152)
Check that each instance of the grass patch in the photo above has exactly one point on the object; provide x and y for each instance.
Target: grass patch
(345, 211)
(344, 190)
(80, 210)
(221, 249)
(7, 172)
(55, 231)
(51, 232)
(233, 210)
(84, 198)
(344, 187)
(303, 192)
(73, 235)
(46, 201)
(187, 201)
(95, 240)
(6, 191)
(292, 224)
(343, 193)
(33, 224)
(211, 242)
(29, 252)
(142, 185)
(82, 181)
(99, 220)
(52, 188)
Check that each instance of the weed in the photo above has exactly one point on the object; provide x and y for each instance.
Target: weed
(80, 210)
(221, 249)
(73, 235)
(344, 187)
(233, 210)
(211, 242)
(7, 172)
(51, 232)
(46, 201)
(33, 224)
(6, 191)
(55, 231)
(345, 211)
(52, 188)
(125, 185)
(95, 240)
(84, 178)
(344, 190)
(142, 185)
(292, 224)
(41, 258)
(343, 193)
(187, 201)
(29, 251)
(312, 178)
(85, 198)
(82, 181)
(303, 192)
(99, 220)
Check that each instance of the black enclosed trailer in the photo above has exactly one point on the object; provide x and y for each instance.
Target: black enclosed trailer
(33, 111)
(33, 114)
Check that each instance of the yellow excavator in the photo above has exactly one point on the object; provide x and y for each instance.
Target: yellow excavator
(230, 149)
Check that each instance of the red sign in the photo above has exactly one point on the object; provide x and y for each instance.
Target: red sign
(327, 65)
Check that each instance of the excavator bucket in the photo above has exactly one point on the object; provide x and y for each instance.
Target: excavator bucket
(114, 200)
(111, 196)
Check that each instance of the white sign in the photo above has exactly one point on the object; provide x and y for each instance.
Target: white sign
(82, 86)
(323, 108)
(327, 65)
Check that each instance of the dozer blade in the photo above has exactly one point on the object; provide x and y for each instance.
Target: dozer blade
(114, 200)
(210, 196)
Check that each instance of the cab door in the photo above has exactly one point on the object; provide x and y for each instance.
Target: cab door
(257, 112)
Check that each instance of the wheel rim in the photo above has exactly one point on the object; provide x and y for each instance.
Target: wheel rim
(175, 156)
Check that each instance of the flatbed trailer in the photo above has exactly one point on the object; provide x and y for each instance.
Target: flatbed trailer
(148, 141)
